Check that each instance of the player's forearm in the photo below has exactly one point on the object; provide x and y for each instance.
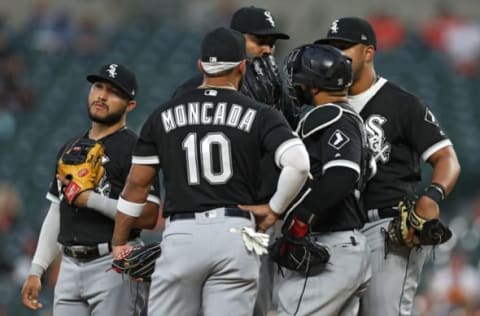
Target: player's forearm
(123, 226)
(148, 219)
(329, 190)
(296, 166)
(108, 207)
(47, 246)
(446, 168)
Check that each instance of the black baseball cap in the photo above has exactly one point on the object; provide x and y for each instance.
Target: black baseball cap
(352, 30)
(223, 45)
(256, 21)
(118, 75)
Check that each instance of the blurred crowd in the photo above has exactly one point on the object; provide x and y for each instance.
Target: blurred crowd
(455, 36)
(450, 287)
(47, 31)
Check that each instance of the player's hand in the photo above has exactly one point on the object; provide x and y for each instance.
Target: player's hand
(31, 289)
(427, 208)
(81, 199)
(120, 252)
(264, 215)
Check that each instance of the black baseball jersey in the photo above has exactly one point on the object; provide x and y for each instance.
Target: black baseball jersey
(188, 86)
(209, 143)
(333, 135)
(85, 226)
(401, 129)
(267, 183)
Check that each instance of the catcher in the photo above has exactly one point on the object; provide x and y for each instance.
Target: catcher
(91, 170)
(324, 255)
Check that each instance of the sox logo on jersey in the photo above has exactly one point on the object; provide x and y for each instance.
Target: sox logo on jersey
(376, 138)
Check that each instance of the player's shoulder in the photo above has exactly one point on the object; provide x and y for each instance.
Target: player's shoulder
(120, 143)
(188, 86)
(126, 135)
(396, 93)
(325, 116)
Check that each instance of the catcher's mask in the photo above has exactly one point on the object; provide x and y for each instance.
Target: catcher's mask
(318, 66)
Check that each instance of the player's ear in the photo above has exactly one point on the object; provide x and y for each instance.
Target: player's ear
(199, 65)
(131, 105)
(242, 66)
(369, 53)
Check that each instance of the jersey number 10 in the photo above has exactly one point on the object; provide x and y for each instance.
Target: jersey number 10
(204, 147)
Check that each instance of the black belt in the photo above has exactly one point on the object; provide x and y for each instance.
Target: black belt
(377, 214)
(230, 212)
(85, 253)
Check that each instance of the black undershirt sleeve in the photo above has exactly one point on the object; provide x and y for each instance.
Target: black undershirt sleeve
(328, 191)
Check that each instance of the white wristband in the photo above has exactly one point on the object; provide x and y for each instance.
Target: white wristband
(130, 208)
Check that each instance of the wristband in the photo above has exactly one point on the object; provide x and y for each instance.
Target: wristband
(130, 208)
(436, 192)
(36, 269)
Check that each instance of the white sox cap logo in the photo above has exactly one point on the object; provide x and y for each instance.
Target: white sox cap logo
(334, 27)
(112, 70)
(268, 14)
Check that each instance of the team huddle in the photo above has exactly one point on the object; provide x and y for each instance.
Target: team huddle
(321, 145)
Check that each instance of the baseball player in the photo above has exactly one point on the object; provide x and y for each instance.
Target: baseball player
(329, 211)
(208, 143)
(82, 221)
(401, 130)
(261, 32)
(262, 80)
(263, 83)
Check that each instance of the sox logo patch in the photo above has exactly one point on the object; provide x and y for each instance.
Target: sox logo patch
(338, 139)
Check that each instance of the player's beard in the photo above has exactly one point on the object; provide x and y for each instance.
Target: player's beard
(110, 119)
(304, 97)
(357, 73)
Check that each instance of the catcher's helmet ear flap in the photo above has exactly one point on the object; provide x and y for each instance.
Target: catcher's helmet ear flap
(320, 66)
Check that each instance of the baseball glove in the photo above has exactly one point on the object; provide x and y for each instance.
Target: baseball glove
(298, 254)
(410, 230)
(81, 163)
(139, 263)
(262, 81)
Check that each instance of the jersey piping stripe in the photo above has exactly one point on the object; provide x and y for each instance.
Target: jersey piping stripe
(342, 163)
(436, 147)
(284, 146)
(149, 160)
(154, 199)
(52, 198)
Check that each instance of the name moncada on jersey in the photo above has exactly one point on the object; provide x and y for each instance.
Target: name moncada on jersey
(208, 113)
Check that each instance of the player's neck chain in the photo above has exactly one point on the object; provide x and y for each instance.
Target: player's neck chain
(229, 87)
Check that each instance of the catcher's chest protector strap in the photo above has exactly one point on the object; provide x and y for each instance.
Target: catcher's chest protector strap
(319, 118)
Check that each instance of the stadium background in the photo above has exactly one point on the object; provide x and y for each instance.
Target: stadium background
(47, 47)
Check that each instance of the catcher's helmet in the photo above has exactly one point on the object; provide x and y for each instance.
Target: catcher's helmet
(320, 66)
